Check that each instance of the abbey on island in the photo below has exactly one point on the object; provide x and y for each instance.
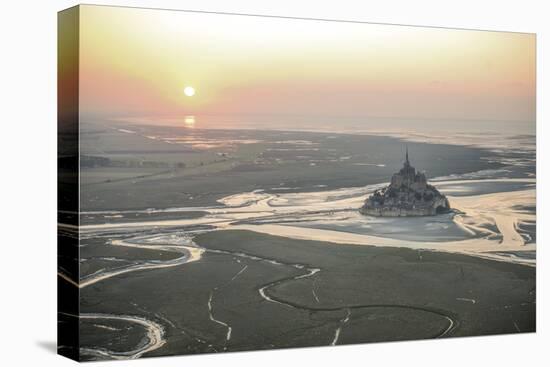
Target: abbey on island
(408, 194)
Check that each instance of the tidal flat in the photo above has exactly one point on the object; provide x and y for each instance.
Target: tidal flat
(165, 167)
(359, 294)
(245, 240)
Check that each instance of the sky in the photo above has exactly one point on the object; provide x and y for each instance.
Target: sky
(136, 63)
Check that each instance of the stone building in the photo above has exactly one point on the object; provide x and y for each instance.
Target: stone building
(408, 194)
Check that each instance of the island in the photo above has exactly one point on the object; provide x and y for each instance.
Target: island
(408, 194)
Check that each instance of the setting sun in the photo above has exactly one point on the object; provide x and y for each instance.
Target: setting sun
(189, 91)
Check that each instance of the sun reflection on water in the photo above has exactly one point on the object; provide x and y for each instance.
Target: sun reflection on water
(189, 121)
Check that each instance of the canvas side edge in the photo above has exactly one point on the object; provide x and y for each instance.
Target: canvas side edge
(67, 183)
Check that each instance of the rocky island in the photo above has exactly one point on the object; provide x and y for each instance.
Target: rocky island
(408, 194)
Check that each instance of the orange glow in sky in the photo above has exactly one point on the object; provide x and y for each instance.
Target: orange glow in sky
(142, 62)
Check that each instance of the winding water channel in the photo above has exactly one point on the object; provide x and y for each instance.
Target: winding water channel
(261, 212)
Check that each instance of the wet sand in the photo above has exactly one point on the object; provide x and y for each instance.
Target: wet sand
(488, 222)
(296, 293)
(293, 264)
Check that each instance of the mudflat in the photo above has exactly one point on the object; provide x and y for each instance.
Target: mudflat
(256, 291)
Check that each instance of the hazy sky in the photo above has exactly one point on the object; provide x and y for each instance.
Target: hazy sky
(137, 62)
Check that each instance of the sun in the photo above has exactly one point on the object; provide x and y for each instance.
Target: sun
(189, 91)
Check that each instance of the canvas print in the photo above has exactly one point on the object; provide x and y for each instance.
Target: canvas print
(235, 183)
